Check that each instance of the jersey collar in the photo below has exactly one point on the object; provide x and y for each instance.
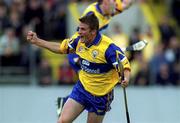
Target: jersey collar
(96, 40)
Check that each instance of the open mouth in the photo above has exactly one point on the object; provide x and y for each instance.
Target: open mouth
(82, 38)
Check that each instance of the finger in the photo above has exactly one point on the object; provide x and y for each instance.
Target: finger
(124, 83)
(29, 37)
(30, 33)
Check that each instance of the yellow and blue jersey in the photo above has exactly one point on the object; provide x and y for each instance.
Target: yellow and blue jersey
(103, 24)
(98, 62)
(103, 19)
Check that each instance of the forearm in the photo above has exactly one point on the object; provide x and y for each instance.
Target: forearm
(125, 80)
(52, 46)
(127, 74)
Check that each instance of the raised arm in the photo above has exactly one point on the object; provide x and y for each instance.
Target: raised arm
(122, 5)
(52, 46)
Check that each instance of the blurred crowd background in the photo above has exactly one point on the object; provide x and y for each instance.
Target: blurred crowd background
(22, 63)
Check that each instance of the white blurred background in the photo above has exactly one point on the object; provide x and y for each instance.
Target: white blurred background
(31, 78)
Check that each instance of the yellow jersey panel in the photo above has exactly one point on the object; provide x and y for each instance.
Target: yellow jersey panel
(119, 5)
(95, 53)
(99, 84)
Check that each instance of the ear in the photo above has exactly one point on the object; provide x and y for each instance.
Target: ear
(94, 32)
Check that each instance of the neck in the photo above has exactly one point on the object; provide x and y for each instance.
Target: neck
(90, 40)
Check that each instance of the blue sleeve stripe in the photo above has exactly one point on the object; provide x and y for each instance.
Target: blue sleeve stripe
(89, 13)
(70, 46)
(99, 9)
(118, 10)
(73, 43)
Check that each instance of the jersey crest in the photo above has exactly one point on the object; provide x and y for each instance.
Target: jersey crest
(95, 53)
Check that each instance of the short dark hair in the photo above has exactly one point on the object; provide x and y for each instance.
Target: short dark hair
(91, 20)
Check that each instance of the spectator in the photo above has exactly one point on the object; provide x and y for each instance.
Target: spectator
(66, 73)
(134, 38)
(9, 48)
(18, 5)
(34, 15)
(172, 52)
(45, 73)
(150, 38)
(175, 9)
(60, 21)
(142, 78)
(30, 55)
(3, 17)
(176, 74)
(163, 76)
(166, 30)
(156, 61)
(15, 22)
(136, 66)
(49, 12)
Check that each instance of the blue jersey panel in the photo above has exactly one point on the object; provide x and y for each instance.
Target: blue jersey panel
(72, 63)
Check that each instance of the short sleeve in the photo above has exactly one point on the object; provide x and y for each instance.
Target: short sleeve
(69, 45)
(111, 57)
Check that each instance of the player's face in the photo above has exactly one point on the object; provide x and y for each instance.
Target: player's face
(109, 6)
(85, 33)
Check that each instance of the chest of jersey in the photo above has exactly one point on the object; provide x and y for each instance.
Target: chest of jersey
(92, 59)
(95, 53)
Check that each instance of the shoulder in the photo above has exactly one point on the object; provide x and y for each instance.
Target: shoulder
(107, 40)
(76, 35)
(109, 44)
(90, 8)
(73, 41)
(92, 5)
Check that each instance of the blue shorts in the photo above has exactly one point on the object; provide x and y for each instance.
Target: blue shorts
(97, 104)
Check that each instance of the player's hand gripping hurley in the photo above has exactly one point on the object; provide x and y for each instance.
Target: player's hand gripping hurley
(121, 75)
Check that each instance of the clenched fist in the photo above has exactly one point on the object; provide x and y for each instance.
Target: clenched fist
(32, 37)
(124, 82)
